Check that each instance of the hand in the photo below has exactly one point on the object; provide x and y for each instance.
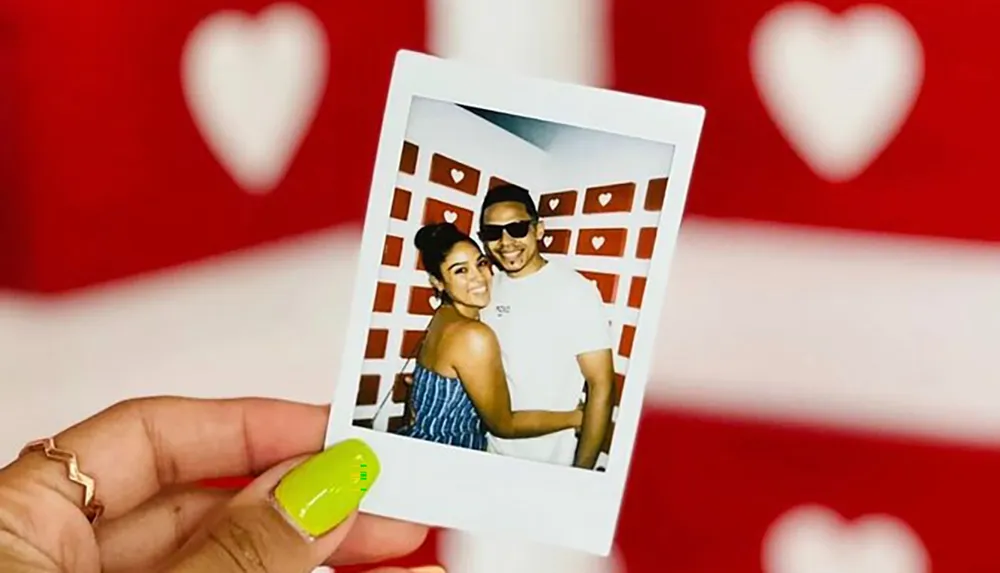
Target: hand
(145, 455)
(578, 416)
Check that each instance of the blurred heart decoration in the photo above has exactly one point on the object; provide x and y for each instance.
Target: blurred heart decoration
(814, 539)
(839, 88)
(253, 86)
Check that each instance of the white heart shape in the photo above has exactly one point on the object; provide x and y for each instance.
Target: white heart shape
(457, 175)
(553, 203)
(433, 301)
(547, 240)
(604, 199)
(814, 539)
(450, 216)
(253, 86)
(597, 242)
(838, 88)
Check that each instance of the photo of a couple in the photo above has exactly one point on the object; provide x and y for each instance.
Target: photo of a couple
(510, 283)
(517, 358)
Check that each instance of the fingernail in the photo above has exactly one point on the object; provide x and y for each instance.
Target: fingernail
(321, 492)
(428, 569)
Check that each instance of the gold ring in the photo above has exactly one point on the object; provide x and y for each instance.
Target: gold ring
(92, 508)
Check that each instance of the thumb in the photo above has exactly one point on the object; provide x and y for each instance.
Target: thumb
(289, 520)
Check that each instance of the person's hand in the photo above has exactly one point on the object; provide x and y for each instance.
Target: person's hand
(578, 416)
(145, 457)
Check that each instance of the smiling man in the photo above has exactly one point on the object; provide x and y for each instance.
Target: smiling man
(554, 333)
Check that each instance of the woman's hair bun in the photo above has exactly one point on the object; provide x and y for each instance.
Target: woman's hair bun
(437, 236)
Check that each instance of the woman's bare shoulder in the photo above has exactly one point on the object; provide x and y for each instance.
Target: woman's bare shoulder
(472, 337)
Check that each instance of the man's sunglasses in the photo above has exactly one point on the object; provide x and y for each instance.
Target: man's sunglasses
(516, 230)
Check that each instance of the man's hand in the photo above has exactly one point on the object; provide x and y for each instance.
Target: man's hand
(599, 371)
(582, 408)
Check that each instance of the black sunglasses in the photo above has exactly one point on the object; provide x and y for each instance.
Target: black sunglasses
(516, 230)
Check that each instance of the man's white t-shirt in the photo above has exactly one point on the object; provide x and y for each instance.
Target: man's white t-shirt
(543, 321)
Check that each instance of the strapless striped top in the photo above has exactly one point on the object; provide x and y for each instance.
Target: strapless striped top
(444, 413)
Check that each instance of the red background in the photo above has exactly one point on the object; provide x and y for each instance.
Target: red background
(109, 176)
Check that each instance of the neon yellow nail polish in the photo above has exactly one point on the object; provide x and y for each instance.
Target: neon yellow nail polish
(322, 491)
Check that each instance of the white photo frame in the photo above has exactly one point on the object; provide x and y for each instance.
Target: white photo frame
(480, 492)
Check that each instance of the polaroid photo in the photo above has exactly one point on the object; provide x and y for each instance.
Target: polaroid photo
(511, 276)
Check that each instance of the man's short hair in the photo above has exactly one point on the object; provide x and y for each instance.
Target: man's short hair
(508, 192)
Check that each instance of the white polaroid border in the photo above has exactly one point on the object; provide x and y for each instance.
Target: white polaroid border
(479, 492)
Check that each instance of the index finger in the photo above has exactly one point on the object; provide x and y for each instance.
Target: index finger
(138, 447)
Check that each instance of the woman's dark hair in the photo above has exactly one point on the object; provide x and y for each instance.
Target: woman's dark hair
(435, 241)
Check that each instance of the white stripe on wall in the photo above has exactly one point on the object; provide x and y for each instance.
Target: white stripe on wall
(556, 39)
(859, 331)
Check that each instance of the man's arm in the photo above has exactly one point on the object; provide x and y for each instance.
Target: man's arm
(598, 370)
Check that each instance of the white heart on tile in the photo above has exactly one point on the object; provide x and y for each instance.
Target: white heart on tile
(553, 203)
(547, 240)
(457, 175)
(450, 216)
(839, 88)
(433, 301)
(814, 539)
(604, 199)
(253, 86)
(597, 242)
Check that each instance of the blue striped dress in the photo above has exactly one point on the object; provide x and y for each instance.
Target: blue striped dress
(444, 412)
